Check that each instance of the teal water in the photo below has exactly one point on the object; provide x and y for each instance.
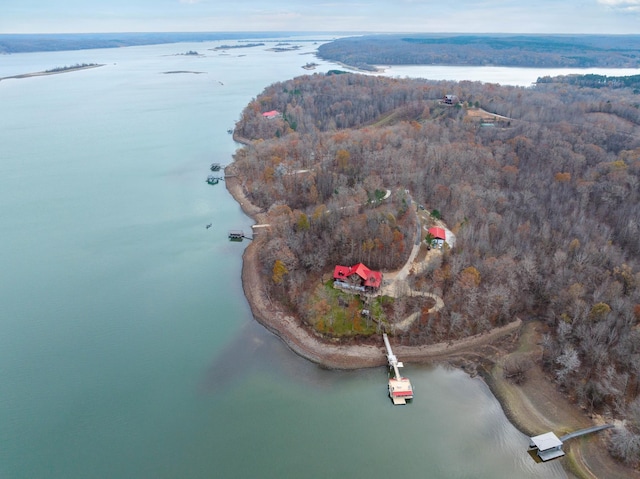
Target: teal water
(127, 348)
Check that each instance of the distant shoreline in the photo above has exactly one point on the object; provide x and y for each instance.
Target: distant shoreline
(45, 73)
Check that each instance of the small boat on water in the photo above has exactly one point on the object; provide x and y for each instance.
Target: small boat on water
(212, 180)
(215, 167)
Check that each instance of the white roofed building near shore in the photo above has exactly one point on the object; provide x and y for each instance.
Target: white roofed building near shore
(549, 446)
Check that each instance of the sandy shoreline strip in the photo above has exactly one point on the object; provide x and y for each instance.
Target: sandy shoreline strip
(46, 73)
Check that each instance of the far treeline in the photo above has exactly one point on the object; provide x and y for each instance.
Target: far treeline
(596, 81)
(51, 42)
(541, 51)
(544, 205)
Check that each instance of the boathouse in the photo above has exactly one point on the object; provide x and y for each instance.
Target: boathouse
(549, 446)
(236, 235)
(357, 277)
(400, 389)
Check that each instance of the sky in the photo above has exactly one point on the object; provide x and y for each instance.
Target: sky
(481, 16)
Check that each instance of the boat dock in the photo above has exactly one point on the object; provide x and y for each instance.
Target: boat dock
(549, 446)
(400, 390)
(214, 180)
(238, 235)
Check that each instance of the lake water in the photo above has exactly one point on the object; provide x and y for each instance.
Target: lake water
(127, 348)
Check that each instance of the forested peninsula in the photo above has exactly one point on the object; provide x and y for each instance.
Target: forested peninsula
(539, 185)
(541, 51)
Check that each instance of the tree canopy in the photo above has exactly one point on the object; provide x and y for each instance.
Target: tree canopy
(515, 50)
(544, 205)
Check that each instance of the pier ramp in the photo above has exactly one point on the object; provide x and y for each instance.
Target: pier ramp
(400, 389)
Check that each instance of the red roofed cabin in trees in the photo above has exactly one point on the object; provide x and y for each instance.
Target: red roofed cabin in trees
(358, 277)
(439, 237)
(269, 115)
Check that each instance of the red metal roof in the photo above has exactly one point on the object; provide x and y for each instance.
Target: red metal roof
(341, 272)
(437, 233)
(402, 393)
(370, 278)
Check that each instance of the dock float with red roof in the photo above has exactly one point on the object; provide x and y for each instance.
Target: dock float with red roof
(400, 390)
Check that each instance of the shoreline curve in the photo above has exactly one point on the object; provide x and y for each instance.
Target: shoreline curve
(525, 407)
(320, 350)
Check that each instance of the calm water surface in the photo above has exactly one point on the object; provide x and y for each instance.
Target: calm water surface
(127, 349)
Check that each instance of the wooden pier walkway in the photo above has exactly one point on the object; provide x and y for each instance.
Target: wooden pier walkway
(400, 389)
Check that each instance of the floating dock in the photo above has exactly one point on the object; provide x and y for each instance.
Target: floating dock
(236, 235)
(400, 390)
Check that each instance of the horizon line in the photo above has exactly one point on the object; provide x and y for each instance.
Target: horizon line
(318, 32)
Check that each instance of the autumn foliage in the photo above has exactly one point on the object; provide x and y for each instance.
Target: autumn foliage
(544, 206)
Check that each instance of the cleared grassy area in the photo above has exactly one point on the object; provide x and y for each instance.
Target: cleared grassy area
(338, 313)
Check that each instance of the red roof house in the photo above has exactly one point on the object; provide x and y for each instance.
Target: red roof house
(439, 237)
(360, 273)
(271, 114)
(438, 233)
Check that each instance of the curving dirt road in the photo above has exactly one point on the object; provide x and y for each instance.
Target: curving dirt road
(330, 354)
